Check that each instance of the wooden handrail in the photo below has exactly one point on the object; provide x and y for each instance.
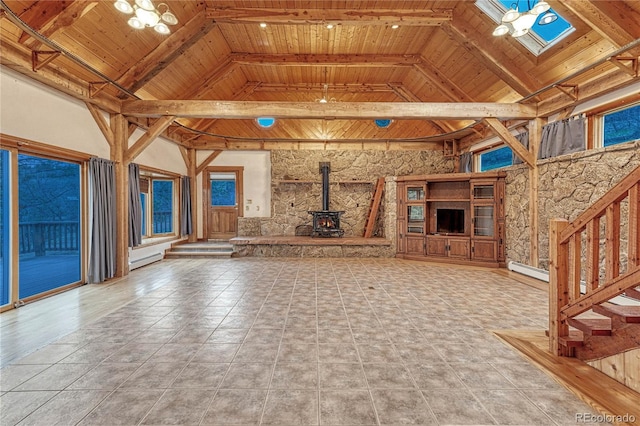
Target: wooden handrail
(566, 253)
(597, 209)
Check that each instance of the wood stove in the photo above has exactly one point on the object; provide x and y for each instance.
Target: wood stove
(326, 223)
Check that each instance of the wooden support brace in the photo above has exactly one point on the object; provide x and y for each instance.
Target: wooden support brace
(102, 124)
(207, 161)
(570, 90)
(628, 64)
(558, 287)
(96, 87)
(48, 56)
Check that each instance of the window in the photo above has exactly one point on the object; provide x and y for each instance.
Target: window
(223, 192)
(162, 206)
(539, 37)
(620, 126)
(495, 159)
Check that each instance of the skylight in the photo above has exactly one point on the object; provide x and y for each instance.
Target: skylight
(539, 37)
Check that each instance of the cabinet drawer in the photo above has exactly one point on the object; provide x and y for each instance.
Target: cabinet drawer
(484, 250)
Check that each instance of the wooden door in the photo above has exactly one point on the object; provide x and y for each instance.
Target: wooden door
(223, 187)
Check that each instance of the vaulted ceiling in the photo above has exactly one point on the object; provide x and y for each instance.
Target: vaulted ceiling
(442, 52)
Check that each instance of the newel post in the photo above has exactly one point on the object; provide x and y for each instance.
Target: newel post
(558, 286)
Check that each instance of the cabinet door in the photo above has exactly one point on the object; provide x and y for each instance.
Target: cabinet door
(459, 248)
(401, 200)
(483, 221)
(483, 191)
(402, 239)
(484, 250)
(415, 192)
(436, 246)
(415, 245)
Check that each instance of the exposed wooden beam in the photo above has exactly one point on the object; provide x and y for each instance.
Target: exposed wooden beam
(55, 78)
(511, 141)
(241, 95)
(403, 93)
(441, 82)
(39, 14)
(332, 145)
(48, 56)
(207, 161)
(185, 156)
(118, 155)
(168, 51)
(626, 63)
(310, 87)
(535, 135)
(342, 110)
(64, 19)
(102, 123)
(408, 17)
(314, 60)
(516, 78)
(145, 140)
(614, 28)
(217, 74)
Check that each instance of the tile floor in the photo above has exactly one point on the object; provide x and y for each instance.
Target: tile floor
(296, 341)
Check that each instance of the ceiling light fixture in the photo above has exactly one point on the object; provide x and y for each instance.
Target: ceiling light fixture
(146, 15)
(519, 23)
(329, 26)
(395, 26)
(263, 25)
(325, 97)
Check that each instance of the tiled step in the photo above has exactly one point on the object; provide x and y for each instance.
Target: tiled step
(633, 293)
(628, 314)
(196, 254)
(202, 248)
(592, 326)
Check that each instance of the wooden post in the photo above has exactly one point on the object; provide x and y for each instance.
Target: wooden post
(634, 226)
(535, 134)
(119, 126)
(191, 172)
(558, 286)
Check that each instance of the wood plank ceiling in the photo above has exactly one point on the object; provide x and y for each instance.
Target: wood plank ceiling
(442, 52)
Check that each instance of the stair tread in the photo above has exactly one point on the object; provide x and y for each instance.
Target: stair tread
(633, 293)
(574, 339)
(592, 326)
(197, 253)
(629, 314)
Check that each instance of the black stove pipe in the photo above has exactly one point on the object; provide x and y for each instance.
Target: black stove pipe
(325, 169)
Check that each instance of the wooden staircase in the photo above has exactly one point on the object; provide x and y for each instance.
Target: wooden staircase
(590, 326)
(374, 208)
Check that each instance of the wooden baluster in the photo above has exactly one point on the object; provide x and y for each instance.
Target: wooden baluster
(558, 287)
(634, 227)
(593, 254)
(575, 266)
(612, 242)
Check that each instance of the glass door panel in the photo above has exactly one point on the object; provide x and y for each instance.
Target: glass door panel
(415, 193)
(415, 219)
(483, 221)
(483, 192)
(49, 224)
(4, 228)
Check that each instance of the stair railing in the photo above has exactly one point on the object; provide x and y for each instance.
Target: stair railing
(566, 253)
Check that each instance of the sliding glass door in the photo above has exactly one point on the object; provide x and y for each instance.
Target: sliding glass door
(49, 224)
(4, 228)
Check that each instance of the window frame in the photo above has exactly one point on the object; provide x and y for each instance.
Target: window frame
(596, 126)
(477, 157)
(160, 175)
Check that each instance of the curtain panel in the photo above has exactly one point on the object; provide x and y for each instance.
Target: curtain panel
(466, 163)
(562, 137)
(102, 220)
(524, 140)
(186, 224)
(135, 206)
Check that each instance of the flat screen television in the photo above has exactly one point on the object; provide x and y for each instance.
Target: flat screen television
(450, 221)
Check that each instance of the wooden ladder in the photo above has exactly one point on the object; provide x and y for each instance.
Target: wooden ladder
(374, 208)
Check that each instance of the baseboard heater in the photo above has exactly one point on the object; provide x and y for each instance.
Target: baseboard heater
(530, 271)
(145, 261)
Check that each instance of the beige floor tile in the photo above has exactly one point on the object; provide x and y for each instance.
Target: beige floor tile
(180, 407)
(346, 407)
(16, 374)
(341, 376)
(236, 406)
(511, 407)
(288, 375)
(248, 376)
(289, 407)
(18, 405)
(216, 352)
(106, 376)
(457, 406)
(123, 407)
(154, 375)
(56, 377)
(388, 376)
(66, 408)
(201, 375)
(400, 406)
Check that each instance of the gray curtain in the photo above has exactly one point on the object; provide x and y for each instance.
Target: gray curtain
(562, 137)
(524, 140)
(186, 225)
(135, 206)
(102, 220)
(466, 163)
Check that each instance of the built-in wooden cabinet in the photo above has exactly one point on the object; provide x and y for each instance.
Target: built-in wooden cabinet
(456, 217)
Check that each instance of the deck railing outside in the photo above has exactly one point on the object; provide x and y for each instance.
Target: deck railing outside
(575, 257)
(42, 237)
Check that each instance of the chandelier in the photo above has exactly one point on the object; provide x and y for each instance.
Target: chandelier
(325, 97)
(146, 15)
(519, 23)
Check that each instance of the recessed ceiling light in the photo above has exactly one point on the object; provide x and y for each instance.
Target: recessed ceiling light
(395, 26)
(263, 25)
(329, 26)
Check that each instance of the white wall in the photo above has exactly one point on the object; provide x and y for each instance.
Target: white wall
(160, 154)
(33, 111)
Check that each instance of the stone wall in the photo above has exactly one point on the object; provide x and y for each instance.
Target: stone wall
(568, 185)
(290, 202)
